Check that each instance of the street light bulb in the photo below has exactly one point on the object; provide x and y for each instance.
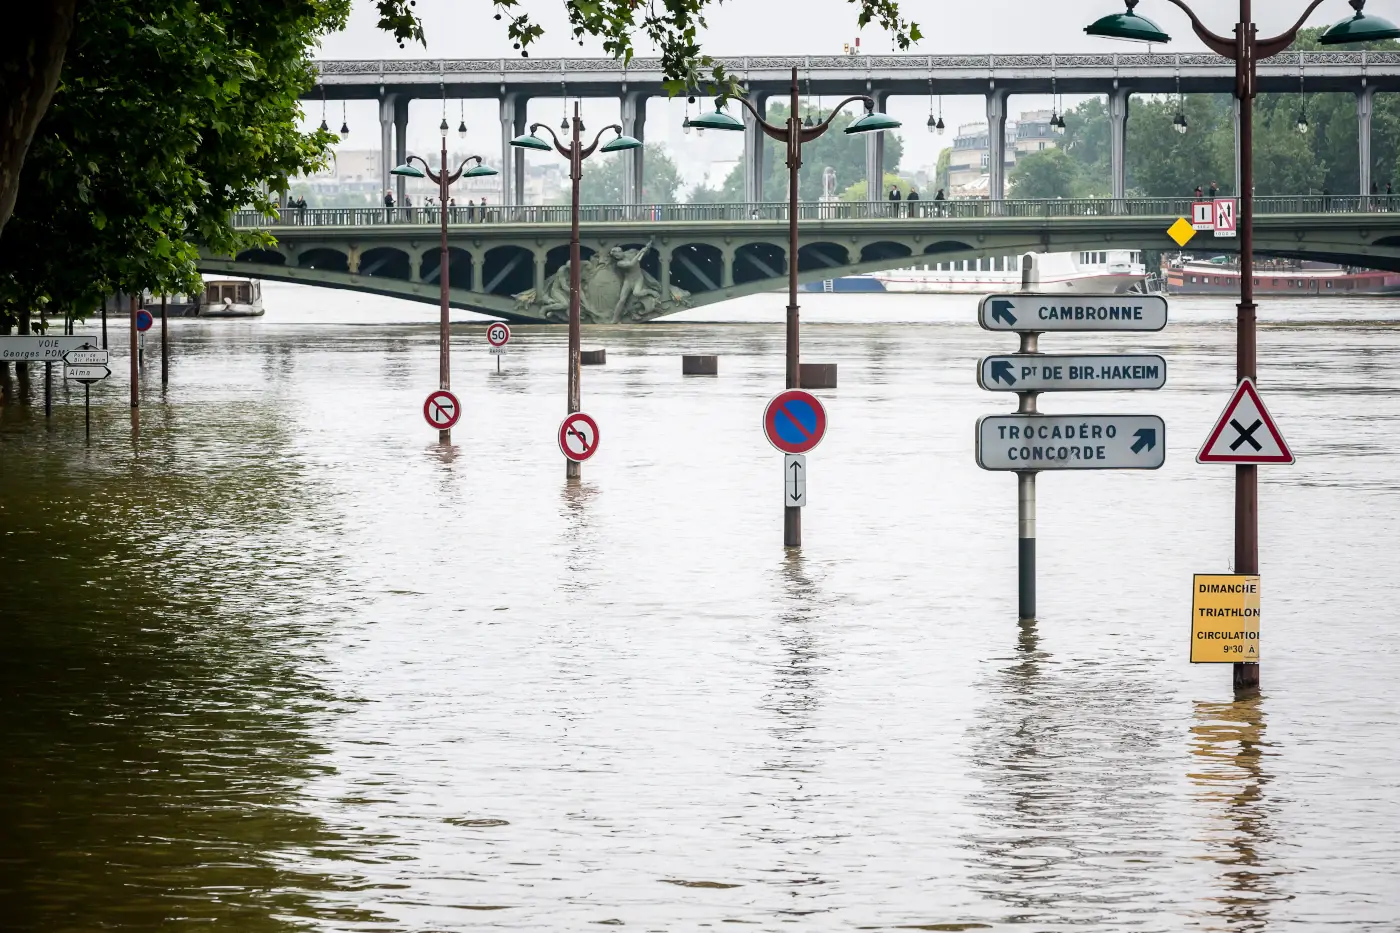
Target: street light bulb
(442, 127)
(1179, 123)
(685, 125)
(932, 123)
(462, 129)
(325, 127)
(344, 128)
(939, 124)
(1302, 122)
(564, 124)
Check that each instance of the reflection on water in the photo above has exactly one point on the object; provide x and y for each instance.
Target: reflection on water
(1227, 740)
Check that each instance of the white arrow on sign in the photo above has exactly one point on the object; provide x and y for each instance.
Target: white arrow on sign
(1024, 313)
(40, 349)
(795, 480)
(87, 357)
(1071, 442)
(86, 373)
(1034, 372)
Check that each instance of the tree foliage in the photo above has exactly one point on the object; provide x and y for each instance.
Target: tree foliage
(169, 115)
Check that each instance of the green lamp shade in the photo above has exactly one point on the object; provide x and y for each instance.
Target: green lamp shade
(479, 171)
(408, 170)
(530, 142)
(1128, 26)
(718, 120)
(872, 123)
(622, 143)
(1359, 28)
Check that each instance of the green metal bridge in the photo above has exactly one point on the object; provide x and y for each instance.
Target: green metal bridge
(722, 251)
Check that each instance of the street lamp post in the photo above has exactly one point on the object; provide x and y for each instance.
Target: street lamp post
(443, 180)
(575, 152)
(1246, 49)
(793, 135)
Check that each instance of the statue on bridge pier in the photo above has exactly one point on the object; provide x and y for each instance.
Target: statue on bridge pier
(614, 289)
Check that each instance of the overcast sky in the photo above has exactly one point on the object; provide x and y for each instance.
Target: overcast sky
(465, 29)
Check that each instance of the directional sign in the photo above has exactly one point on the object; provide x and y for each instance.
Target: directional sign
(1245, 433)
(1088, 373)
(1038, 313)
(143, 320)
(87, 374)
(1225, 221)
(1224, 618)
(795, 480)
(1203, 215)
(87, 357)
(498, 335)
(1071, 442)
(578, 437)
(442, 409)
(39, 349)
(794, 421)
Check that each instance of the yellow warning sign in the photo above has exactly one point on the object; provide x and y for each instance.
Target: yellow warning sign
(1181, 231)
(1225, 618)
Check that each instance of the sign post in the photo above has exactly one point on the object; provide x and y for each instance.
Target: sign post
(87, 365)
(498, 335)
(1028, 441)
(794, 422)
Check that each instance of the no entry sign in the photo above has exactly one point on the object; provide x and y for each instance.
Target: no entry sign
(498, 335)
(143, 320)
(442, 409)
(794, 421)
(578, 437)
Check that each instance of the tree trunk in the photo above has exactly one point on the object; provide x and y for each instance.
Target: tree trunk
(32, 46)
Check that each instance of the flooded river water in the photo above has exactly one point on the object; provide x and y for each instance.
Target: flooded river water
(279, 662)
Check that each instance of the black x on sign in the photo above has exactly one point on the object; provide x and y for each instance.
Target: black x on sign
(1245, 433)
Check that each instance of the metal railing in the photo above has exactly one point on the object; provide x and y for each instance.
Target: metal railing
(777, 211)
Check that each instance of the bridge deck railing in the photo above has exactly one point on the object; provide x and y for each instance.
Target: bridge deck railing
(807, 210)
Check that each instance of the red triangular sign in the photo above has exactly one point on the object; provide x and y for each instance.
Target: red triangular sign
(1245, 433)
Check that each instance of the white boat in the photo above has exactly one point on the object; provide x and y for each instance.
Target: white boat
(230, 298)
(1095, 272)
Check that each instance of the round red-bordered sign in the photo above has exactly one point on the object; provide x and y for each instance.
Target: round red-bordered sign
(441, 410)
(794, 421)
(578, 437)
(498, 334)
(144, 320)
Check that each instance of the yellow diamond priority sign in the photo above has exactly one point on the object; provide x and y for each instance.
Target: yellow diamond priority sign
(1181, 231)
(1224, 618)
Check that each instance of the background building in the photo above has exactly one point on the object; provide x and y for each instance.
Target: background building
(968, 165)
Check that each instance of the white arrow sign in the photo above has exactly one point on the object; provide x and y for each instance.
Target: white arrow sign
(87, 357)
(795, 480)
(86, 373)
(1088, 373)
(1071, 442)
(1039, 313)
(39, 349)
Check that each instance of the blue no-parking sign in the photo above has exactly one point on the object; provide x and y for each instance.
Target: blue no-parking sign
(794, 421)
(144, 320)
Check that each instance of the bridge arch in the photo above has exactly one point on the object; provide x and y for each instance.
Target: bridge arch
(386, 262)
(814, 256)
(324, 258)
(754, 262)
(697, 267)
(507, 270)
(946, 246)
(459, 266)
(269, 257)
(559, 257)
(884, 249)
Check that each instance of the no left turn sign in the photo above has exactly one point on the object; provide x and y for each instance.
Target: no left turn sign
(442, 409)
(578, 437)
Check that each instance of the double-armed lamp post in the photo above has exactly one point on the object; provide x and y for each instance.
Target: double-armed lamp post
(1246, 49)
(793, 134)
(575, 152)
(443, 179)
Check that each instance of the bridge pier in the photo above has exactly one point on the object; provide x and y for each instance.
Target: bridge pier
(1118, 140)
(386, 144)
(996, 144)
(1364, 100)
(513, 120)
(400, 146)
(634, 120)
(754, 142)
(875, 153)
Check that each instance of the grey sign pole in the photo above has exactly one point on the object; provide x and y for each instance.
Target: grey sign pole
(1025, 506)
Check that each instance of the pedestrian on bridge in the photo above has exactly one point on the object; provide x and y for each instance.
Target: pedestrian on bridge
(894, 200)
(388, 207)
(913, 196)
(1214, 191)
(471, 211)
(1199, 193)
